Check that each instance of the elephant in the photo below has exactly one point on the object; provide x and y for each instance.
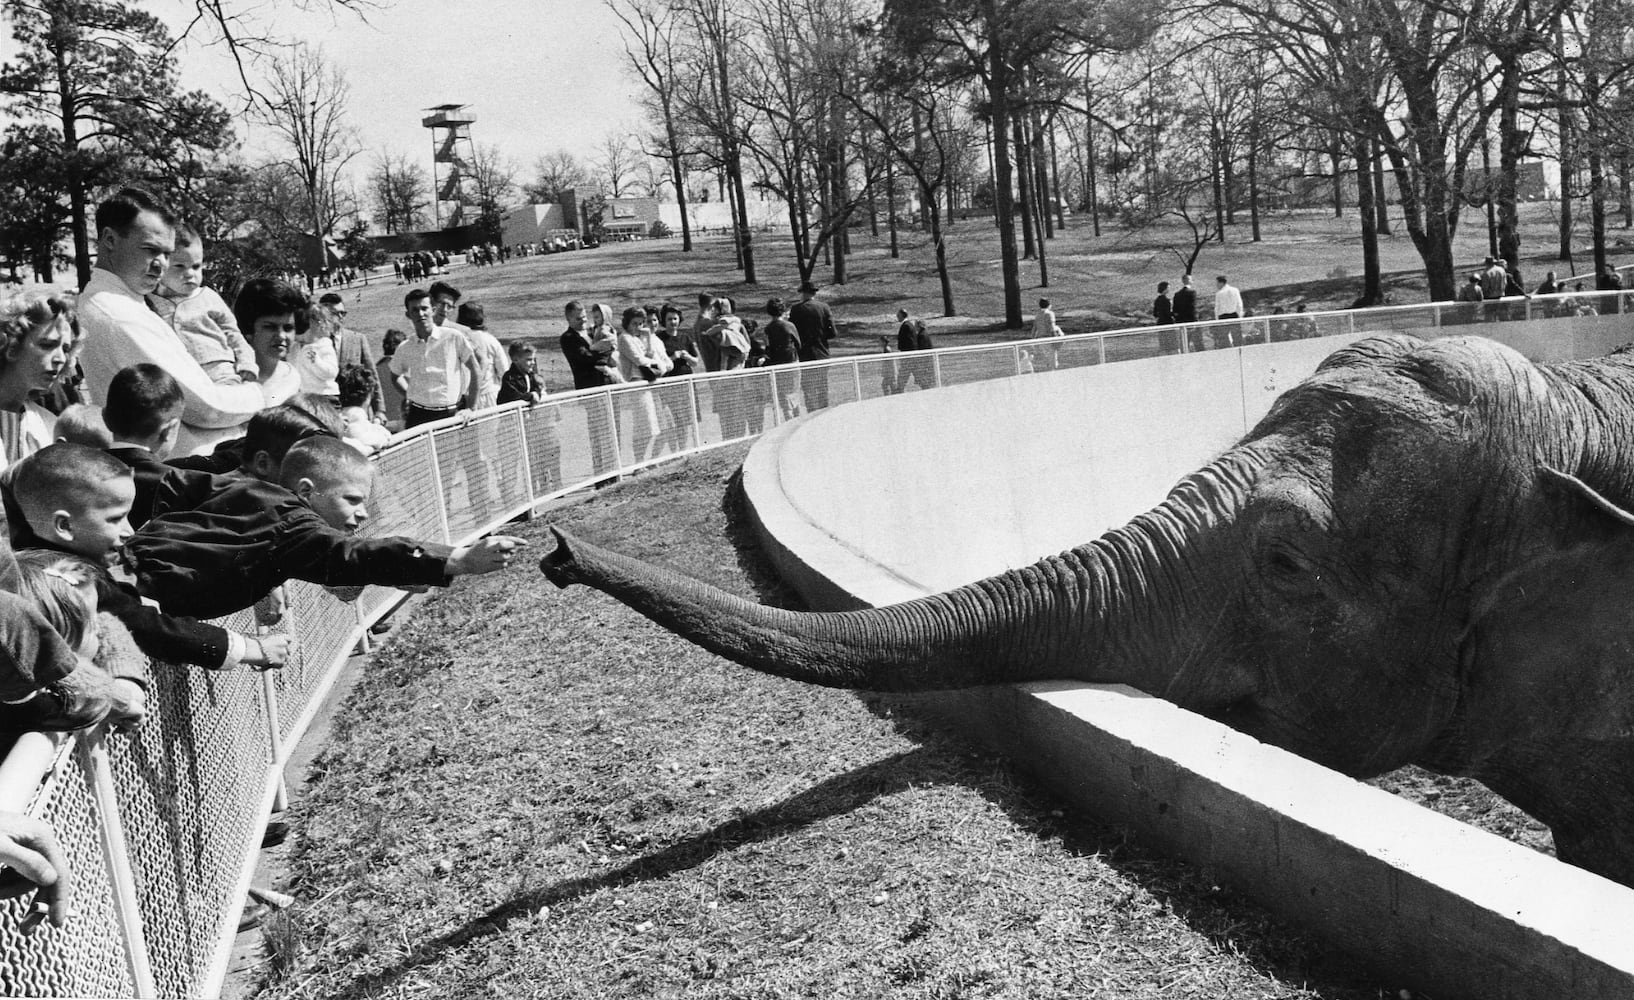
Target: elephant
(1422, 554)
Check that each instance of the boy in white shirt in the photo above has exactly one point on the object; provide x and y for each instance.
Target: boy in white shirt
(205, 323)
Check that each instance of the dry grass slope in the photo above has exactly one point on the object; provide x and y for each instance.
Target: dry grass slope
(538, 793)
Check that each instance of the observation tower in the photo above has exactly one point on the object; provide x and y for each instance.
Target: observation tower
(451, 157)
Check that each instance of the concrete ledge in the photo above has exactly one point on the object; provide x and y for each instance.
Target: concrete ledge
(1425, 900)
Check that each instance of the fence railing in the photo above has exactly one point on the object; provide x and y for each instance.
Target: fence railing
(163, 826)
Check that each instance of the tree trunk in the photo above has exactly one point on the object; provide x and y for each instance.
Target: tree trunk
(1254, 178)
(1568, 149)
(998, 88)
(1335, 149)
(1216, 151)
(680, 182)
(731, 199)
(1024, 201)
(1487, 187)
(890, 204)
(63, 29)
(1094, 195)
(837, 189)
(929, 197)
(1372, 279)
(1381, 202)
(1055, 181)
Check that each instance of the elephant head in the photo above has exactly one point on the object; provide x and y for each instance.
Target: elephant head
(1384, 571)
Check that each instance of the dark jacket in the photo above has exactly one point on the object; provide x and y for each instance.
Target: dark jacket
(218, 544)
(1185, 305)
(588, 367)
(519, 385)
(148, 471)
(162, 637)
(1162, 311)
(782, 342)
(816, 326)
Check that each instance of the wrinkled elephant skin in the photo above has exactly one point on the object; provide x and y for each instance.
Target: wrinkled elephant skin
(1420, 555)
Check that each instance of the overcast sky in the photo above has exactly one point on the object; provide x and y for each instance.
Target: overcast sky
(538, 74)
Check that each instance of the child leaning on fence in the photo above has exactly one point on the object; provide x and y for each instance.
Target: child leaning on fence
(73, 500)
(219, 544)
(108, 681)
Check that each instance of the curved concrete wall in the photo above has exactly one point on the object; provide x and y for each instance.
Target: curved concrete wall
(916, 493)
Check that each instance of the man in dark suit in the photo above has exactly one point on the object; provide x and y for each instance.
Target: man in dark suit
(591, 369)
(816, 326)
(1185, 311)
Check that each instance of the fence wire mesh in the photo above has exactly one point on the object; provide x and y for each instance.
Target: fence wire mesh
(86, 958)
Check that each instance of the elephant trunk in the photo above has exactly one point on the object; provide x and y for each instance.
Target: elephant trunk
(1117, 610)
(1008, 628)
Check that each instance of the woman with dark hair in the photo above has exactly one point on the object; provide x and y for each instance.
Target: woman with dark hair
(783, 348)
(490, 354)
(268, 314)
(394, 388)
(38, 337)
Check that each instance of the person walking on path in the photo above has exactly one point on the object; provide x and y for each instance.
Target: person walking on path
(815, 324)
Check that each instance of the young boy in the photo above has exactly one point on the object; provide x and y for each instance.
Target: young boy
(198, 314)
(218, 544)
(143, 412)
(522, 380)
(74, 499)
(81, 423)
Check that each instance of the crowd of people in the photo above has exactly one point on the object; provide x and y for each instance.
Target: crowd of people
(207, 455)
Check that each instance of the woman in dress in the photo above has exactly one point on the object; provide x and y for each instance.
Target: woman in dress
(38, 345)
(491, 357)
(641, 358)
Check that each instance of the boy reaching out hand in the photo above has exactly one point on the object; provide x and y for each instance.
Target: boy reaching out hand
(218, 544)
(73, 499)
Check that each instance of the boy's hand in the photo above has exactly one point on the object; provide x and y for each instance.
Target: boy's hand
(486, 556)
(345, 595)
(269, 651)
(130, 705)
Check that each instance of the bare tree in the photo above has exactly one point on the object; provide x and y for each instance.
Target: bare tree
(555, 174)
(306, 108)
(650, 46)
(400, 193)
(616, 163)
(494, 177)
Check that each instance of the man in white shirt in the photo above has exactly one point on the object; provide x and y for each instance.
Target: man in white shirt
(1228, 304)
(434, 361)
(135, 237)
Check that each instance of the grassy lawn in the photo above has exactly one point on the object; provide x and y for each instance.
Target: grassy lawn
(1097, 283)
(574, 803)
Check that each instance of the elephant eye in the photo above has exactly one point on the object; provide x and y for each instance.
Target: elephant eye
(1283, 564)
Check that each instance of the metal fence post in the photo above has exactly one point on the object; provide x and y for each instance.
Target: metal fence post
(437, 476)
(527, 455)
(1100, 344)
(93, 749)
(856, 377)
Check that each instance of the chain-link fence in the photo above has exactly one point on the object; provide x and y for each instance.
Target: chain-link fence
(162, 827)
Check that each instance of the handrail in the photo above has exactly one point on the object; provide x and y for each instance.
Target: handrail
(208, 762)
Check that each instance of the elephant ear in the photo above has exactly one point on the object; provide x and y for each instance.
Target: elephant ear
(1546, 713)
(1550, 646)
